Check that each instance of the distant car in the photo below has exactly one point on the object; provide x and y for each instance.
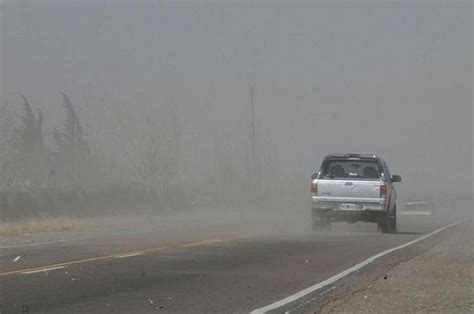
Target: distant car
(422, 208)
(352, 188)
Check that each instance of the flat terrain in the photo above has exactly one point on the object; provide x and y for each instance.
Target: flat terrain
(236, 264)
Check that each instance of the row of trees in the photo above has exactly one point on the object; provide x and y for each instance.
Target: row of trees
(117, 146)
(27, 160)
(141, 144)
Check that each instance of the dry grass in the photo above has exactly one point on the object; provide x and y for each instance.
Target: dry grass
(40, 225)
(62, 224)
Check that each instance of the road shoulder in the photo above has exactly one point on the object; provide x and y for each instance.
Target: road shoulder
(439, 280)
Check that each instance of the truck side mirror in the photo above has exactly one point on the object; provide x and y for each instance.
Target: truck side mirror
(314, 176)
(396, 178)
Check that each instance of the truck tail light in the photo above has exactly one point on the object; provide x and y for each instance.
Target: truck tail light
(314, 188)
(383, 191)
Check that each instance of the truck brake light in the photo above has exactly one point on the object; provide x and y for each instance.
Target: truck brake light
(383, 191)
(314, 188)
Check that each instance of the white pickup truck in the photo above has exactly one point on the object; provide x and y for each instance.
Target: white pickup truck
(351, 188)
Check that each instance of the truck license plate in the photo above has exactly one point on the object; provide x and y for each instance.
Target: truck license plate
(348, 206)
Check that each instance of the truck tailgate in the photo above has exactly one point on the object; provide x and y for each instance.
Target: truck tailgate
(349, 189)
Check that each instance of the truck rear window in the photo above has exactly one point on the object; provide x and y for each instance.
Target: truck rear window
(353, 169)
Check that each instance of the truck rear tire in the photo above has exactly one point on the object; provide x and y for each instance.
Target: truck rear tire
(393, 221)
(388, 224)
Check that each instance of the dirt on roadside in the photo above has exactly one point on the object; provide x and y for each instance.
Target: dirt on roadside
(440, 280)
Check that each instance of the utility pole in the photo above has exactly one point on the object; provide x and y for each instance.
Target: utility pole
(76, 172)
(253, 140)
(176, 142)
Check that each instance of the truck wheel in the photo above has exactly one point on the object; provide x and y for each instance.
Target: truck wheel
(393, 221)
(388, 224)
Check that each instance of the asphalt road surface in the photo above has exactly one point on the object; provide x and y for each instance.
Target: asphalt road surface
(203, 270)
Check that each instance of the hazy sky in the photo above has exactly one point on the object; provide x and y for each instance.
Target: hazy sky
(358, 76)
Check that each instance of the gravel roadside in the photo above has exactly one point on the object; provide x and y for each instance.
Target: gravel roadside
(440, 280)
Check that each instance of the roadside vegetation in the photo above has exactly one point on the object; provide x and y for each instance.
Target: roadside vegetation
(37, 225)
(99, 159)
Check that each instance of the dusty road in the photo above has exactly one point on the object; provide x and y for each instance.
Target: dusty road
(192, 269)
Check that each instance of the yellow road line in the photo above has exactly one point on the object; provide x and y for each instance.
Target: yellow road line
(113, 256)
(44, 270)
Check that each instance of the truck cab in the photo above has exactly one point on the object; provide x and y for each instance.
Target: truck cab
(352, 188)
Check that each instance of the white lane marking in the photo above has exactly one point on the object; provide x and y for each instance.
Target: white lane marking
(43, 270)
(130, 255)
(333, 279)
(43, 243)
(201, 243)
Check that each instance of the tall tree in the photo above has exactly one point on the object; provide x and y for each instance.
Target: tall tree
(71, 136)
(74, 160)
(29, 164)
(6, 151)
(28, 138)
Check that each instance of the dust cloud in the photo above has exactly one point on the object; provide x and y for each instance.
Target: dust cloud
(223, 110)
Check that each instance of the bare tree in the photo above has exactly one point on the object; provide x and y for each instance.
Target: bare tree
(148, 148)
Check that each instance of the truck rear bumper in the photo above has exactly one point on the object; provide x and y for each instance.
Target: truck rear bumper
(349, 210)
(348, 204)
(349, 216)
